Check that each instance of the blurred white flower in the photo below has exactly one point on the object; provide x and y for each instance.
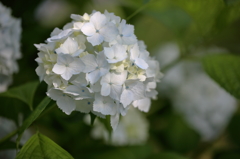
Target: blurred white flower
(10, 34)
(7, 126)
(50, 13)
(205, 106)
(96, 64)
(132, 129)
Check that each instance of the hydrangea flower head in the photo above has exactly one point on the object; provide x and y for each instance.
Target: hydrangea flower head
(96, 64)
(10, 32)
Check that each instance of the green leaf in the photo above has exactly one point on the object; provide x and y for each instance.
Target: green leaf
(11, 107)
(230, 2)
(166, 155)
(33, 116)
(177, 141)
(228, 15)
(24, 92)
(173, 18)
(224, 69)
(145, 1)
(41, 147)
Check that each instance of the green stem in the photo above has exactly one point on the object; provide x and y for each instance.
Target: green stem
(137, 11)
(176, 61)
(210, 146)
(173, 63)
(9, 136)
(48, 110)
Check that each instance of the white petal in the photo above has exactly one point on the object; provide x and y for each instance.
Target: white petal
(98, 20)
(90, 62)
(95, 39)
(106, 78)
(142, 104)
(96, 87)
(134, 52)
(66, 104)
(93, 76)
(119, 79)
(120, 51)
(98, 114)
(40, 72)
(80, 80)
(122, 25)
(56, 82)
(61, 35)
(141, 63)
(103, 71)
(80, 91)
(64, 59)
(116, 91)
(138, 91)
(142, 77)
(104, 105)
(68, 26)
(66, 75)
(126, 97)
(88, 29)
(77, 25)
(68, 47)
(109, 53)
(55, 31)
(109, 32)
(113, 61)
(76, 17)
(76, 66)
(130, 83)
(84, 106)
(114, 121)
(101, 60)
(151, 94)
(105, 90)
(54, 93)
(59, 69)
(128, 30)
(129, 40)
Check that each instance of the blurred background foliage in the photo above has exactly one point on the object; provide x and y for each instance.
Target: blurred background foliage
(193, 24)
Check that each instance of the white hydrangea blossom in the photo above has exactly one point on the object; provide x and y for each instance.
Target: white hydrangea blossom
(10, 32)
(205, 106)
(132, 129)
(6, 127)
(96, 64)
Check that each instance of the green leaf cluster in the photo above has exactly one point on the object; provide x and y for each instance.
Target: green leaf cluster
(41, 147)
(224, 69)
